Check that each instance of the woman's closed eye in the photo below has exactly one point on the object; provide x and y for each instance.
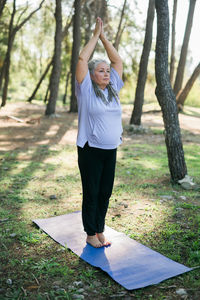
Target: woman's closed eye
(102, 71)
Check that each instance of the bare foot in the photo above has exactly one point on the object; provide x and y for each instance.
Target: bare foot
(94, 241)
(103, 240)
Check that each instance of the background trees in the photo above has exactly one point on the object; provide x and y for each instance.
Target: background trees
(56, 69)
(12, 31)
(33, 51)
(44, 55)
(142, 74)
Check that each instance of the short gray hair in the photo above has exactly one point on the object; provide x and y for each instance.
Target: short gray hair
(92, 64)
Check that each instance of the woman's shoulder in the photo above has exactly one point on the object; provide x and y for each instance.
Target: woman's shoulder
(85, 85)
(115, 79)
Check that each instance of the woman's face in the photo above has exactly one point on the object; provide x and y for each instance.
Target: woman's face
(101, 75)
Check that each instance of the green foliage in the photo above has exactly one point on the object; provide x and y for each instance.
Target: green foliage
(193, 97)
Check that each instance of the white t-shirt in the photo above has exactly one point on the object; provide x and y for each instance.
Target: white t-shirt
(99, 124)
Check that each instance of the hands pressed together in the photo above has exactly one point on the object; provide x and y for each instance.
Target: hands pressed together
(99, 29)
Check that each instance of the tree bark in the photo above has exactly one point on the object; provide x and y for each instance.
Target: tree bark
(75, 52)
(55, 75)
(6, 64)
(181, 65)
(66, 86)
(142, 75)
(173, 42)
(119, 30)
(166, 97)
(182, 95)
(103, 9)
(90, 11)
(2, 4)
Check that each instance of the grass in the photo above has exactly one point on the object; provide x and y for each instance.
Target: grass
(44, 181)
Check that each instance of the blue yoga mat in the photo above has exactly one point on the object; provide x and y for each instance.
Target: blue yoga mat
(128, 262)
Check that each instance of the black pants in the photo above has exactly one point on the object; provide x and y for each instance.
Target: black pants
(97, 168)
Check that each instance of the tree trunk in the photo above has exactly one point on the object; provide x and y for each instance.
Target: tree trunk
(181, 65)
(40, 81)
(103, 10)
(11, 36)
(142, 75)
(90, 11)
(172, 60)
(6, 64)
(75, 52)
(166, 97)
(55, 75)
(47, 93)
(2, 4)
(64, 33)
(182, 95)
(66, 86)
(119, 30)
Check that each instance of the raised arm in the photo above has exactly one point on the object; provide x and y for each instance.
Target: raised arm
(115, 59)
(84, 56)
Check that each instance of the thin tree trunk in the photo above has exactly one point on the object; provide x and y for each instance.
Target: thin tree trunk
(2, 71)
(103, 10)
(66, 86)
(118, 34)
(6, 66)
(182, 95)
(88, 25)
(55, 75)
(166, 97)
(47, 93)
(64, 33)
(75, 52)
(40, 81)
(12, 33)
(2, 5)
(173, 41)
(181, 65)
(142, 75)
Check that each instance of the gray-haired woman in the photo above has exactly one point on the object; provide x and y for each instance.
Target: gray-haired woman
(99, 132)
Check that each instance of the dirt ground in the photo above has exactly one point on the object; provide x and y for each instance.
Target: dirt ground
(24, 125)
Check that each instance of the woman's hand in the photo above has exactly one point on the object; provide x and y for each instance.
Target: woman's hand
(98, 25)
(102, 34)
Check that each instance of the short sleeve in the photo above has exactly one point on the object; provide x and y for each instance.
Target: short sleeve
(84, 86)
(115, 80)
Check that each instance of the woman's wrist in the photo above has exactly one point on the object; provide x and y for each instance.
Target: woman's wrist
(103, 38)
(96, 35)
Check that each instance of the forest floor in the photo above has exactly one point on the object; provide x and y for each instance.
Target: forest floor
(36, 129)
(38, 160)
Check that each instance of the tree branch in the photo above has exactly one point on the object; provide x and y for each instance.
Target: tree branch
(23, 11)
(29, 16)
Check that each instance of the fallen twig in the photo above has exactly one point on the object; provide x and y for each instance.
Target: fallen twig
(36, 279)
(24, 291)
(16, 119)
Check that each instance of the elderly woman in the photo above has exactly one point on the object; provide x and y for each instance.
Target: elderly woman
(99, 132)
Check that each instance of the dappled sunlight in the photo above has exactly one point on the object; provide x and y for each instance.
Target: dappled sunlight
(53, 129)
(43, 142)
(41, 180)
(192, 157)
(47, 131)
(149, 164)
(69, 137)
(64, 161)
